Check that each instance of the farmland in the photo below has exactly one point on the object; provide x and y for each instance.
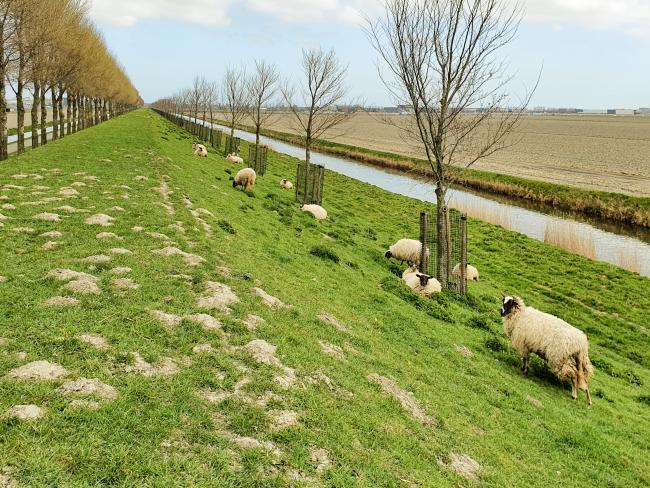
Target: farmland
(605, 153)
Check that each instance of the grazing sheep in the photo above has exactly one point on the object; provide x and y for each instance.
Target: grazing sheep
(421, 283)
(406, 250)
(200, 150)
(564, 347)
(286, 184)
(317, 211)
(471, 273)
(233, 158)
(245, 177)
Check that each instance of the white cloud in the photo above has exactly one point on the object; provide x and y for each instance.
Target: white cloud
(631, 17)
(129, 12)
(216, 12)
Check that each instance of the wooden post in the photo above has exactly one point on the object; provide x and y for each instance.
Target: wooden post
(424, 241)
(463, 254)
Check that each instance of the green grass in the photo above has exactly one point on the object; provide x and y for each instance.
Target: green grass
(159, 432)
(609, 206)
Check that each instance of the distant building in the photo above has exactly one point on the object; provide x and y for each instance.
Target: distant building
(644, 110)
(620, 111)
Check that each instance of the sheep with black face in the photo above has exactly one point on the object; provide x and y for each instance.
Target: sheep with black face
(245, 177)
(565, 348)
(408, 250)
(421, 283)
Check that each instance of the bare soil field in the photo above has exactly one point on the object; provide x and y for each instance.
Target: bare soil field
(12, 118)
(608, 153)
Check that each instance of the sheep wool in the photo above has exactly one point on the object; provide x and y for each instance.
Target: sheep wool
(421, 283)
(471, 272)
(286, 184)
(565, 348)
(317, 211)
(233, 158)
(200, 150)
(406, 250)
(245, 177)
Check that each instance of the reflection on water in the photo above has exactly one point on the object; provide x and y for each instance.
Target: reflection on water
(615, 248)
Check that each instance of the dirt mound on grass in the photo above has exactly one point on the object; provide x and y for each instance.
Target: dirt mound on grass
(24, 412)
(463, 465)
(100, 219)
(405, 398)
(217, 296)
(38, 370)
(268, 300)
(61, 302)
(88, 387)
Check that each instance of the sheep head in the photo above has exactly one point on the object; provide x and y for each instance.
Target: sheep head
(511, 304)
(424, 279)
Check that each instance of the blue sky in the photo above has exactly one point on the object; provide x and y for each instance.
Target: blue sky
(594, 52)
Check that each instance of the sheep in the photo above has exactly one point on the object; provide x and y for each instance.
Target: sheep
(421, 283)
(245, 177)
(471, 273)
(565, 348)
(406, 250)
(200, 150)
(233, 158)
(317, 211)
(286, 184)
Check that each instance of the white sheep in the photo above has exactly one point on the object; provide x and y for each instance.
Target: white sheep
(286, 184)
(200, 150)
(421, 283)
(245, 177)
(317, 211)
(406, 250)
(565, 348)
(233, 158)
(471, 273)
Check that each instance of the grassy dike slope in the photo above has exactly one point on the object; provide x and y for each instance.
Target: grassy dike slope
(160, 430)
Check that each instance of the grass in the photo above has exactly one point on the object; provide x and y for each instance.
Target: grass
(159, 432)
(608, 206)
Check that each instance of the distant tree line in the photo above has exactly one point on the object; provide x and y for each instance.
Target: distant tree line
(49, 49)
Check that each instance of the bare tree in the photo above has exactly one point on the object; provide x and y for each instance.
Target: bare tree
(234, 97)
(322, 91)
(442, 61)
(196, 96)
(262, 89)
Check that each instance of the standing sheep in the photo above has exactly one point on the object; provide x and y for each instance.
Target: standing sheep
(245, 177)
(286, 184)
(200, 150)
(471, 273)
(421, 283)
(565, 348)
(406, 250)
(317, 211)
(233, 158)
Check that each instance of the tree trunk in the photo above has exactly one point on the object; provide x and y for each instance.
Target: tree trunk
(3, 100)
(55, 115)
(68, 116)
(257, 136)
(442, 264)
(75, 114)
(59, 101)
(20, 113)
(308, 149)
(36, 100)
(43, 116)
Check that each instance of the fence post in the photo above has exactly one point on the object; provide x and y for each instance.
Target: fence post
(463, 254)
(424, 241)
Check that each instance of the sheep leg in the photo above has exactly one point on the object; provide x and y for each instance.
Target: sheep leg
(588, 396)
(574, 388)
(524, 367)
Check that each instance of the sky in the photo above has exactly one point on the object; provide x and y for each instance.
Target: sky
(591, 53)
